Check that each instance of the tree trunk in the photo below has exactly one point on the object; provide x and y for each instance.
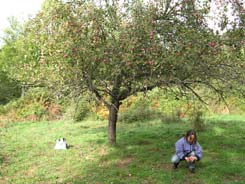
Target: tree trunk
(113, 112)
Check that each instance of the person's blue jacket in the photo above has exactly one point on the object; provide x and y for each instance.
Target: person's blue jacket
(183, 148)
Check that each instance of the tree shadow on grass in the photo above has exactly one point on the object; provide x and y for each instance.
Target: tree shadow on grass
(139, 157)
(143, 156)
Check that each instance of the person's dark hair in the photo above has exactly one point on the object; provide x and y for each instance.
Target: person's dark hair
(191, 132)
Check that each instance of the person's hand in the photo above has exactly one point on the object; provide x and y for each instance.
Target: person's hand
(192, 158)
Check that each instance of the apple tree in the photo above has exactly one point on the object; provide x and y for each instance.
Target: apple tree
(115, 49)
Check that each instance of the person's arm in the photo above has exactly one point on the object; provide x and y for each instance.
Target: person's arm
(179, 150)
(198, 151)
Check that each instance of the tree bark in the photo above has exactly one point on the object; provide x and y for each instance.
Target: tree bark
(113, 113)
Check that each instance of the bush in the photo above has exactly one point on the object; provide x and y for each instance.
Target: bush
(2, 109)
(35, 110)
(82, 110)
(197, 121)
(9, 89)
(171, 118)
(37, 104)
(141, 110)
(78, 109)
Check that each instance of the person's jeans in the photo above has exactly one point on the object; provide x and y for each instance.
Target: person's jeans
(176, 160)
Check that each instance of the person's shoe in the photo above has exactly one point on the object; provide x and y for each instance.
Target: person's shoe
(175, 165)
(192, 168)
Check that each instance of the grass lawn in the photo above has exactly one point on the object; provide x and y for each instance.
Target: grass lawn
(141, 156)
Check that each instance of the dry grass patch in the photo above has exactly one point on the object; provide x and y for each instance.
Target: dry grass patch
(124, 162)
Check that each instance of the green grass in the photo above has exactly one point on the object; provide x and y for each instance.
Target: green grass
(141, 156)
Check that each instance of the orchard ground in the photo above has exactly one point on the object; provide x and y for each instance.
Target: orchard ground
(141, 156)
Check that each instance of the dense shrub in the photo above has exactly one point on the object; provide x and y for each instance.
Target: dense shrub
(35, 110)
(139, 111)
(40, 104)
(79, 108)
(197, 121)
(171, 118)
(82, 109)
(9, 89)
(37, 104)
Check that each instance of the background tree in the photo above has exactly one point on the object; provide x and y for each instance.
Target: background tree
(10, 88)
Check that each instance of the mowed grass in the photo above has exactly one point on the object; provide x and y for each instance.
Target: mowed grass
(141, 156)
